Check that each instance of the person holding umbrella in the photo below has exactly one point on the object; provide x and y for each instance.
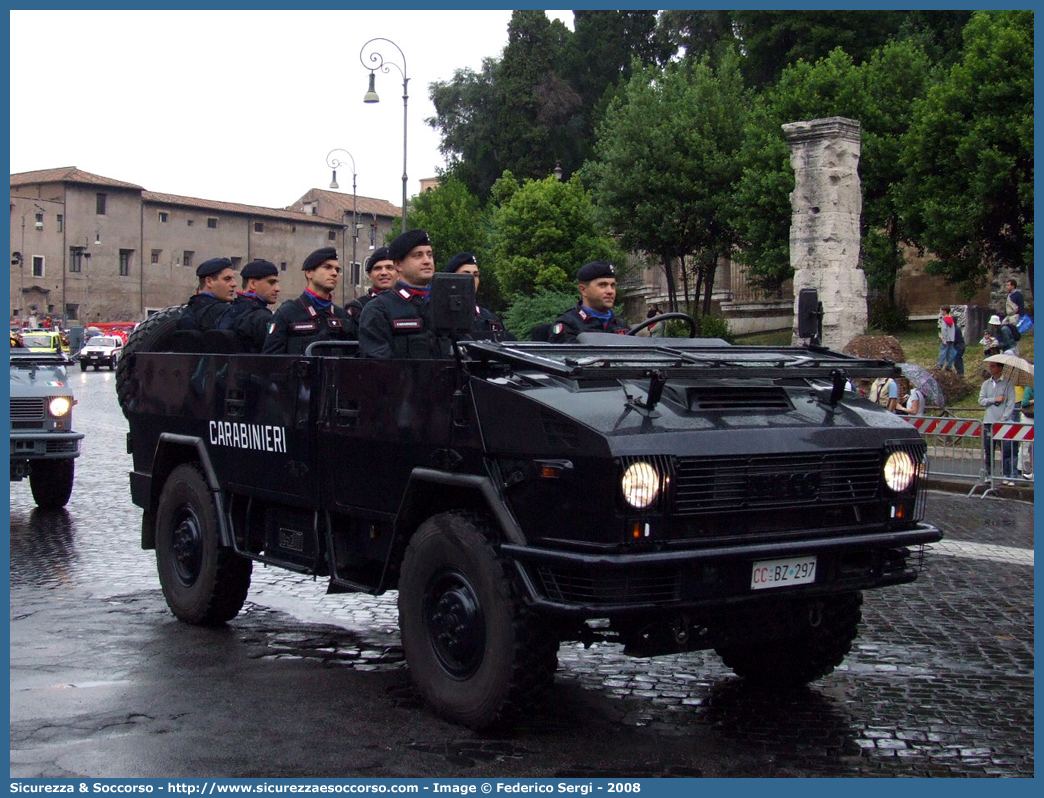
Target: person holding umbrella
(997, 395)
(1017, 373)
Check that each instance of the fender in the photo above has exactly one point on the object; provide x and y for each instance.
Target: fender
(171, 451)
(430, 492)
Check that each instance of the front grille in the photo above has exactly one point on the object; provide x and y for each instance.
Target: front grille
(62, 447)
(708, 485)
(27, 409)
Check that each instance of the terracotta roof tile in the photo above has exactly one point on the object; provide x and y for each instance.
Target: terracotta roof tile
(67, 174)
(367, 205)
(157, 198)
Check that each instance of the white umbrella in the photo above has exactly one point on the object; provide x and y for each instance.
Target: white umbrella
(1019, 371)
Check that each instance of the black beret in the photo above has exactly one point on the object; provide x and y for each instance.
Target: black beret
(318, 258)
(594, 270)
(213, 266)
(458, 260)
(379, 254)
(259, 268)
(401, 246)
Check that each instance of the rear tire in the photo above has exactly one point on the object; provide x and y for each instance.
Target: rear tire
(475, 652)
(83, 366)
(203, 582)
(52, 482)
(819, 635)
(151, 335)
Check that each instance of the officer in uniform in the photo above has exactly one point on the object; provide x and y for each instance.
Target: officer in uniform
(313, 316)
(380, 268)
(594, 311)
(487, 323)
(249, 315)
(396, 323)
(217, 287)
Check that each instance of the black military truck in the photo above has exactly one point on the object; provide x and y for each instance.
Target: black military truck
(667, 494)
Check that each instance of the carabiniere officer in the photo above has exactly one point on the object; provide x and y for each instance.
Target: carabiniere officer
(313, 316)
(217, 286)
(594, 311)
(396, 323)
(249, 315)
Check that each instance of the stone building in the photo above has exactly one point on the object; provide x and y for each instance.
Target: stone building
(90, 248)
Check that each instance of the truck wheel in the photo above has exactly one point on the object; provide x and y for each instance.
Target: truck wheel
(823, 631)
(202, 582)
(151, 335)
(477, 655)
(83, 365)
(52, 482)
(112, 363)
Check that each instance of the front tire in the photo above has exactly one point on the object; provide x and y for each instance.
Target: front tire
(203, 582)
(83, 365)
(817, 635)
(52, 482)
(476, 654)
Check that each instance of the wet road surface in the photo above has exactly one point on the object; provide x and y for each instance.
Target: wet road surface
(105, 682)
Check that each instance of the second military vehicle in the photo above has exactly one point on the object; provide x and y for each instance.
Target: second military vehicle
(666, 494)
(44, 446)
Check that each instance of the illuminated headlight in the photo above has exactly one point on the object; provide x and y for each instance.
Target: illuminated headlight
(59, 406)
(899, 470)
(640, 485)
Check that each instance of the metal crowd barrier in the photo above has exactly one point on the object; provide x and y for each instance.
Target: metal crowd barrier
(957, 449)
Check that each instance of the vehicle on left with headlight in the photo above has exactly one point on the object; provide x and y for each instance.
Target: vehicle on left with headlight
(44, 446)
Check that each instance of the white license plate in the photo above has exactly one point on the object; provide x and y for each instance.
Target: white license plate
(783, 573)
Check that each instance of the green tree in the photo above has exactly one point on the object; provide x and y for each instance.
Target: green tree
(666, 165)
(542, 307)
(544, 231)
(968, 156)
(879, 94)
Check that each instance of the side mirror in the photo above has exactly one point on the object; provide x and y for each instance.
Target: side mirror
(809, 314)
(452, 302)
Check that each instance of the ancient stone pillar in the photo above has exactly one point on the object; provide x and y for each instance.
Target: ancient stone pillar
(824, 231)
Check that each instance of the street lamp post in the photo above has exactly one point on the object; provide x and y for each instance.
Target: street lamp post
(333, 163)
(374, 61)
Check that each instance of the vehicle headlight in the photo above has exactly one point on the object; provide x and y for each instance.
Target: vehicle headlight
(640, 485)
(60, 406)
(899, 470)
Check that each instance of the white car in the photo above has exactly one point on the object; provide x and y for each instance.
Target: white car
(101, 350)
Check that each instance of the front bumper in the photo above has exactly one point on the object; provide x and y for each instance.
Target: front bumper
(593, 585)
(45, 446)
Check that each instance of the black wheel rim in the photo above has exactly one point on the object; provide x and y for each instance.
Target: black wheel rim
(455, 623)
(187, 546)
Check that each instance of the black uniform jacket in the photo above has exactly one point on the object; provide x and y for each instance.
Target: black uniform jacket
(298, 322)
(202, 312)
(354, 310)
(396, 324)
(248, 317)
(488, 326)
(577, 320)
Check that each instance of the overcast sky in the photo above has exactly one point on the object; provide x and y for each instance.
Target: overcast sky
(241, 106)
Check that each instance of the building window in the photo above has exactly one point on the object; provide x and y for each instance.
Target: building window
(72, 311)
(99, 203)
(259, 227)
(164, 217)
(186, 259)
(373, 235)
(125, 261)
(75, 259)
(156, 253)
(38, 266)
(212, 223)
(332, 235)
(356, 274)
(235, 263)
(190, 222)
(39, 221)
(282, 266)
(61, 223)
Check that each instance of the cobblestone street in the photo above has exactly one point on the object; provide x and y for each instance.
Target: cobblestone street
(939, 683)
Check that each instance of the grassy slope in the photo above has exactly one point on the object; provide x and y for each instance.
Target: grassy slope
(921, 345)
